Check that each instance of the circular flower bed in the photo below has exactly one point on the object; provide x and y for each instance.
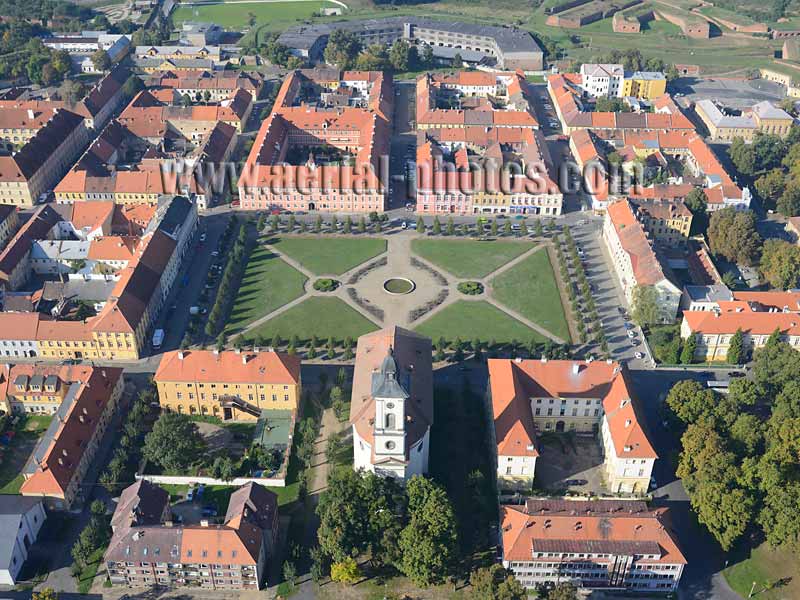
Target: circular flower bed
(325, 284)
(398, 286)
(470, 288)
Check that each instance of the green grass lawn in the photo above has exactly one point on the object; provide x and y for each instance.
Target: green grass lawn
(321, 316)
(329, 255)
(268, 283)
(476, 319)
(530, 289)
(766, 566)
(236, 15)
(28, 430)
(469, 259)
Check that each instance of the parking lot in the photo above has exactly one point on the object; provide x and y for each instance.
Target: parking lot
(736, 93)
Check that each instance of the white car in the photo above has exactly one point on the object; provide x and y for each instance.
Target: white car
(203, 237)
(653, 483)
(631, 333)
(639, 355)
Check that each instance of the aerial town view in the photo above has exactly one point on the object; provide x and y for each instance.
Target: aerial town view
(399, 300)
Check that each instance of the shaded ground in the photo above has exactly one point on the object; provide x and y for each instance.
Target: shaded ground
(570, 457)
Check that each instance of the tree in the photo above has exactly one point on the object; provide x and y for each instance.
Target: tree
(289, 573)
(770, 187)
(451, 227)
(45, 594)
(420, 225)
(697, 203)
(562, 591)
(427, 55)
(689, 348)
(362, 225)
(343, 49)
(437, 226)
(342, 513)
(493, 228)
(457, 60)
(173, 443)
(780, 264)
(72, 91)
(428, 543)
(97, 508)
(223, 468)
(743, 156)
(496, 583)
(732, 234)
(346, 571)
(251, 19)
(400, 55)
(100, 60)
(689, 400)
(736, 353)
(789, 202)
(373, 58)
(645, 303)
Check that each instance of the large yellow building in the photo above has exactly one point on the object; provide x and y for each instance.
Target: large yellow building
(645, 85)
(230, 385)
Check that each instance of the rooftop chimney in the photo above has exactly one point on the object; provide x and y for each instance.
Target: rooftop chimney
(31, 114)
(576, 368)
(244, 359)
(204, 523)
(180, 354)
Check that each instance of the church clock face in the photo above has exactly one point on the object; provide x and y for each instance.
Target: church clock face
(390, 445)
(390, 405)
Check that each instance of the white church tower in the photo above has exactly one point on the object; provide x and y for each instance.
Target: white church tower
(391, 409)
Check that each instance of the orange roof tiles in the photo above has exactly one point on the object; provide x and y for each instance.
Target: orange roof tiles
(514, 383)
(582, 531)
(207, 366)
(635, 241)
(771, 300)
(753, 323)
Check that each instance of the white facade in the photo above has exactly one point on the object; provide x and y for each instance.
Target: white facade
(629, 475)
(14, 548)
(602, 80)
(516, 468)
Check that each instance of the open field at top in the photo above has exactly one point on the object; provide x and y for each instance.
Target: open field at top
(329, 255)
(470, 319)
(268, 283)
(236, 15)
(469, 259)
(321, 316)
(530, 289)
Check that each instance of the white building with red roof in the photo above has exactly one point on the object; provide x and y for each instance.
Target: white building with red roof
(532, 396)
(601, 544)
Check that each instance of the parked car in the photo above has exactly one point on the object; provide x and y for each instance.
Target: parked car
(190, 495)
(573, 482)
(200, 489)
(209, 511)
(203, 237)
(639, 355)
(631, 333)
(653, 483)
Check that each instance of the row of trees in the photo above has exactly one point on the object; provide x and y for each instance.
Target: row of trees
(774, 165)
(345, 50)
(739, 451)
(128, 452)
(95, 536)
(228, 286)
(574, 276)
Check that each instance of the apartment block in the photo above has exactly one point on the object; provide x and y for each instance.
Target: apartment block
(594, 544)
(148, 548)
(21, 520)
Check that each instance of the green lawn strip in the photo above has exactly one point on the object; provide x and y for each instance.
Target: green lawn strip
(469, 258)
(476, 319)
(321, 316)
(765, 567)
(530, 289)
(85, 577)
(329, 255)
(268, 283)
(237, 15)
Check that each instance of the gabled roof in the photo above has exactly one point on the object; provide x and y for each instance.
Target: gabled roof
(262, 367)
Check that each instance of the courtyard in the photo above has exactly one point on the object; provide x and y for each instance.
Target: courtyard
(305, 287)
(570, 462)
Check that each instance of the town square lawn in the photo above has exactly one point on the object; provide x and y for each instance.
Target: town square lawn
(469, 259)
(321, 316)
(530, 289)
(268, 283)
(470, 319)
(328, 255)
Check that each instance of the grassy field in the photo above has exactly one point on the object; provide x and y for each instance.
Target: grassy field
(766, 567)
(28, 430)
(268, 283)
(476, 319)
(320, 316)
(469, 259)
(329, 255)
(236, 15)
(530, 289)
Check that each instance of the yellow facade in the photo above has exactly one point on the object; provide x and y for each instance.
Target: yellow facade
(64, 349)
(119, 346)
(207, 398)
(645, 88)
